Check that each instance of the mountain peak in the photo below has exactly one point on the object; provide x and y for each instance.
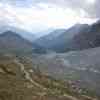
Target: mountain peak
(9, 33)
(11, 40)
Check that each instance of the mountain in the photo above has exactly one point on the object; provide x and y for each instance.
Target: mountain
(25, 34)
(58, 39)
(12, 41)
(88, 38)
(30, 36)
(49, 39)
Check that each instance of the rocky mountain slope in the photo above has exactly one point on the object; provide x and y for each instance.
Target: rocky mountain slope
(50, 39)
(12, 41)
(78, 37)
(19, 80)
(58, 39)
(88, 38)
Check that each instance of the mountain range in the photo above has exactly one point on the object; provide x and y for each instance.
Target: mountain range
(58, 40)
(78, 37)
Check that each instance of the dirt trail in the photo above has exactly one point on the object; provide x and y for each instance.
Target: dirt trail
(27, 75)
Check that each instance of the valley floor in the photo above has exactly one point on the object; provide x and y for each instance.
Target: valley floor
(20, 80)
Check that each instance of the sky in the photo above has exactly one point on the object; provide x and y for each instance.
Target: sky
(39, 15)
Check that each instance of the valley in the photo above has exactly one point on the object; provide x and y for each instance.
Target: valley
(62, 65)
(20, 80)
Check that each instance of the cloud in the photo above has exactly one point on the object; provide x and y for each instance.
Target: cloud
(42, 14)
(89, 6)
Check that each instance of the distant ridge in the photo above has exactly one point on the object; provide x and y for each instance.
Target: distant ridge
(12, 41)
(58, 39)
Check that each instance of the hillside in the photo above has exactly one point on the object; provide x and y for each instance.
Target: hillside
(82, 66)
(22, 32)
(49, 39)
(88, 38)
(58, 39)
(20, 81)
(78, 37)
(11, 40)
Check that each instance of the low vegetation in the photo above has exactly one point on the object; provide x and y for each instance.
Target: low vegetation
(19, 81)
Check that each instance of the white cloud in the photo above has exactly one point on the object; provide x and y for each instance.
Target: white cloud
(42, 16)
(91, 1)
